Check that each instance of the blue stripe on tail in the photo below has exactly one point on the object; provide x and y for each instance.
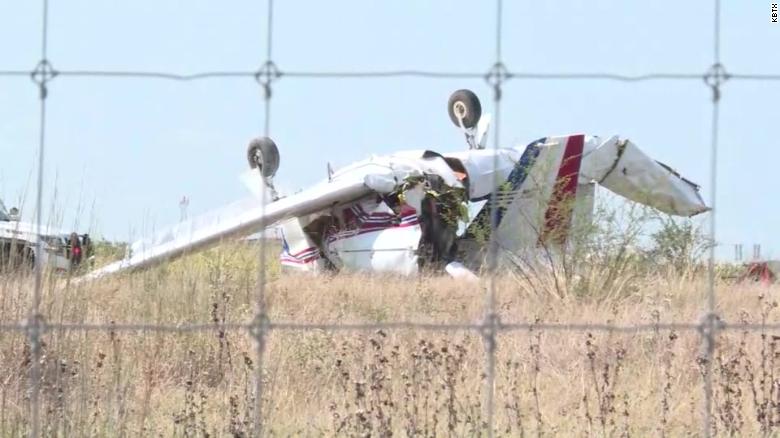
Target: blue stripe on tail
(520, 172)
(515, 179)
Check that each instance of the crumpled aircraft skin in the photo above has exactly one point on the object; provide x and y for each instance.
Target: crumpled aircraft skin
(413, 211)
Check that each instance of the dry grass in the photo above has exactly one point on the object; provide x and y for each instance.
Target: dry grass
(381, 383)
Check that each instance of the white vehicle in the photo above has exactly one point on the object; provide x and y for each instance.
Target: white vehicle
(18, 242)
(414, 210)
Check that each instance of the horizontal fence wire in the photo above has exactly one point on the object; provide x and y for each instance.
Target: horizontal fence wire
(379, 74)
(36, 326)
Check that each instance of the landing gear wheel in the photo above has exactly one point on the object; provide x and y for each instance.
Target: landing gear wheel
(263, 155)
(464, 106)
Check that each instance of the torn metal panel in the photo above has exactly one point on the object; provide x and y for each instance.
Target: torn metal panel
(299, 250)
(484, 166)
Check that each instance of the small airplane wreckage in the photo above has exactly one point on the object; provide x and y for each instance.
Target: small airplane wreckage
(422, 210)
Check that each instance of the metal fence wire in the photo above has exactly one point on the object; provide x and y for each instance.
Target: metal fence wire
(261, 326)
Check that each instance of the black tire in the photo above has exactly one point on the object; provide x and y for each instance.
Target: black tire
(467, 104)
(263, 155)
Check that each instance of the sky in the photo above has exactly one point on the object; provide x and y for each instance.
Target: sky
(120, 153)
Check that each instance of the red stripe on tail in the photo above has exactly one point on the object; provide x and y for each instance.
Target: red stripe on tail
(557, 218)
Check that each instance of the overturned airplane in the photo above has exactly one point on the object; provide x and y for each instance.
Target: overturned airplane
(418, 210)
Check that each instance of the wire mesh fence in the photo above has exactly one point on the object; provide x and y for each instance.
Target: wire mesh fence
(491, 326)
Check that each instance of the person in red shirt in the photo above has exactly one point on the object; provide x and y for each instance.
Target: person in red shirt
(75, 251)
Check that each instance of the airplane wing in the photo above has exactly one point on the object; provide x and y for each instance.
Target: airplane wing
(243, 218)
(238, 219)
(620, 166)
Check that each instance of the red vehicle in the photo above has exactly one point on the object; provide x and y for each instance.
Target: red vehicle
(765, 272)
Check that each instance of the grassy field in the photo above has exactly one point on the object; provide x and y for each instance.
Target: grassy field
(320, 383)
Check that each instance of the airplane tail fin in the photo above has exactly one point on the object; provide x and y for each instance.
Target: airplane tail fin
(550, 191)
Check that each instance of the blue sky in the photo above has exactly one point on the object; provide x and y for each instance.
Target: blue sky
(126, 150)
